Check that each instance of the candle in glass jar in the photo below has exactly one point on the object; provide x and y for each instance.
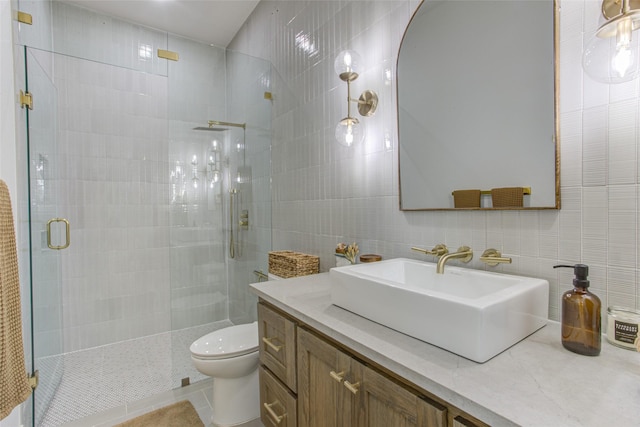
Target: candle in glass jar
(622, 327)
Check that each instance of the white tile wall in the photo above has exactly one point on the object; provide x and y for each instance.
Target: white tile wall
(324, 194)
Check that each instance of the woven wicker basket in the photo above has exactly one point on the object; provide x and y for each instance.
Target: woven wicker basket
(287, 264)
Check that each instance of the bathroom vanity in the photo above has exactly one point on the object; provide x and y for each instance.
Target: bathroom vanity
(323, 365)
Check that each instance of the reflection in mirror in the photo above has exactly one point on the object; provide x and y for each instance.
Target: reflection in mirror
(477, 103)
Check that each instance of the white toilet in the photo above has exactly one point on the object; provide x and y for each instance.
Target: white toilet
(230, 356)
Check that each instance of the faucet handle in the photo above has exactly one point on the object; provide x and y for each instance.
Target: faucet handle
(439, 250)
(493, 257)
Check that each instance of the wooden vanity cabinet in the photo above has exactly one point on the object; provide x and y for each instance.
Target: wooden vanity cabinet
(278, 376)
(308, 381)
(277, 338)
(353, 394)
(278, 407)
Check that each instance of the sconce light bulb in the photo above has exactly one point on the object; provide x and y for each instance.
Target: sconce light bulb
(347, 65)
(349, 135)
(347, 60)
(622, 59)
(194, 160)
(214, 145)
(349, 131)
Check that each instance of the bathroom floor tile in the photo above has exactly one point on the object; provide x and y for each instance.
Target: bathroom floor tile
(112, 383)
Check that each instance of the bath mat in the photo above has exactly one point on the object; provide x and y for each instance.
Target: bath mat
(181, 414)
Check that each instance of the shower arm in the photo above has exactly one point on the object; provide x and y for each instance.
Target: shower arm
(219, 123)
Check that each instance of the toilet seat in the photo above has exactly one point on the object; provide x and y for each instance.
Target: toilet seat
(227, 343)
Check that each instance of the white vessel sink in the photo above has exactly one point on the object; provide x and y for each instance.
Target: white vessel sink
(472, 313)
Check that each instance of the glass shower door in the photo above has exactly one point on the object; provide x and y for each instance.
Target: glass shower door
(48, 232)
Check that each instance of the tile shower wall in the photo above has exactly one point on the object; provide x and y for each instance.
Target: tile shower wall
(139, 263)
(324, 193)
(112, 150)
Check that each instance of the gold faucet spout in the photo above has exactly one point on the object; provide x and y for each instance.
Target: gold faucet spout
(464, 254)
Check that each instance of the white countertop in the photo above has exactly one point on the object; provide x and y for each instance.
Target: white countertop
(534, 383)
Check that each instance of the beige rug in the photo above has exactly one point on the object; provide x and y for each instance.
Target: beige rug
(181, 414)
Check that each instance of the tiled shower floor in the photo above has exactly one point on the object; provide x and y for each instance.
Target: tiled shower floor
(110, 376)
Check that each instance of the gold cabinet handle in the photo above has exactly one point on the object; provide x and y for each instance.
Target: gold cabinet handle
(337, 376)
(353, 388)
(268, 342)
(276, 418)
(67, 233)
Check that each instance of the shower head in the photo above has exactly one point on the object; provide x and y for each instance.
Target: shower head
(210, 129)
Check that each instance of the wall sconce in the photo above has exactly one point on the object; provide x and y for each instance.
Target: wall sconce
(613, 55)
(349, 130)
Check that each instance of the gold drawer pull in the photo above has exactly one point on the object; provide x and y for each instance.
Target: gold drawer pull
(268, 342)
(353, 388)
(276, 418)
(337, 376)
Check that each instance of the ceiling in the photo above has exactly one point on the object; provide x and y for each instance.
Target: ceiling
(211, 21)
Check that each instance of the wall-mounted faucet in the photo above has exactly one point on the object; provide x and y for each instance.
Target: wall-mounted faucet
(464, 254)
(439, 250)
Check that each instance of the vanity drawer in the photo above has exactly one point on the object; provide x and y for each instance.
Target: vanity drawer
(277, 336)
(278, 407)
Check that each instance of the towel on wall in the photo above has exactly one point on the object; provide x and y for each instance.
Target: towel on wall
(508, 197)
(14, 385)
(466, 199)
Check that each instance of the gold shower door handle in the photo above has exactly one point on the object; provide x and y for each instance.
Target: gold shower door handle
(67, 233)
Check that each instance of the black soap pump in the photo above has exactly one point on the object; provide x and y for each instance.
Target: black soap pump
(581, 330)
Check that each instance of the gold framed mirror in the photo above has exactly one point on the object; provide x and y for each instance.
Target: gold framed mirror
(477, 87)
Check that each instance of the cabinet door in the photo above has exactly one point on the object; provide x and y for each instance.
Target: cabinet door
(383, 403)
(323, 400)
(277, 336)
(277, 404)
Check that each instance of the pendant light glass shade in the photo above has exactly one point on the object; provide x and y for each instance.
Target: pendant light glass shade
(347, 65)
(613, 53)
(349, 131)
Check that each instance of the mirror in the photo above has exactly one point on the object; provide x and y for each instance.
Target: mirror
(477, 103)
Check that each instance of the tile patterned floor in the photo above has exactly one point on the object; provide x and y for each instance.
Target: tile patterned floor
(120, 381)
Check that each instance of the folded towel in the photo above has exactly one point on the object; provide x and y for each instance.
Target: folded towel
(466, 198)
(507, 197)
(14, 385)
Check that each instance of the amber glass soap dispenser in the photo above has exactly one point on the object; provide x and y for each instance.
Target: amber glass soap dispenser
(581, 331)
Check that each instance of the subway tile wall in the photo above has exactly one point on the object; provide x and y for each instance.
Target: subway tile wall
(324, 193)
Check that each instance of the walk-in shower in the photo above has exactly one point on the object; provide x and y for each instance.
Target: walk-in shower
(112, 147)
